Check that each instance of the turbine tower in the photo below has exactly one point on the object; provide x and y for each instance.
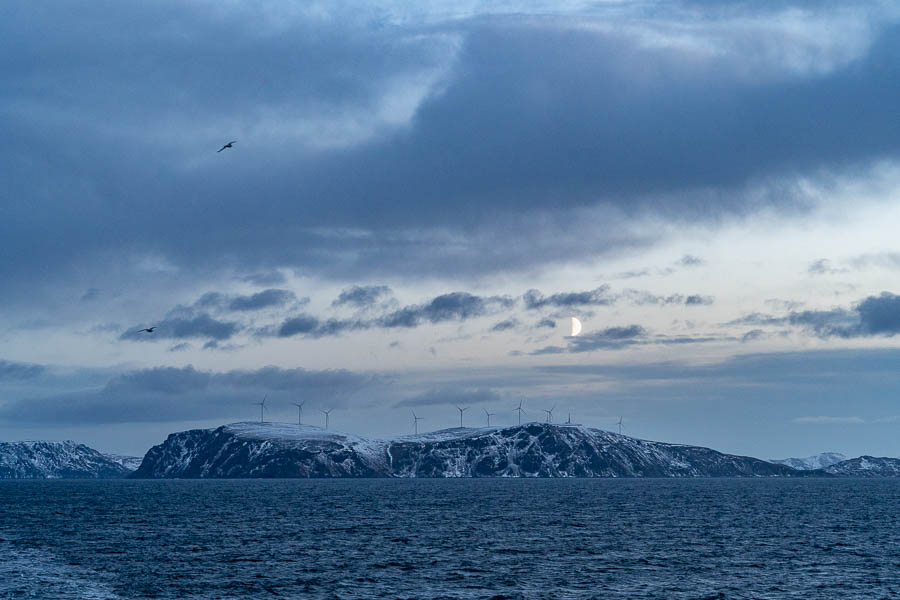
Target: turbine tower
(520, 410)
(489, 415)
(262, 407)
(326, 413)
(299, 406)
(620, 425)
(549, 413)
(569, 420)
(461, 410)
(416, 420)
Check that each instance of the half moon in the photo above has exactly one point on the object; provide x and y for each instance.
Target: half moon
(576, 326)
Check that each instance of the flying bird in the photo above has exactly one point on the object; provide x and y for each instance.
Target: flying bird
(148, 329)
(228, 145)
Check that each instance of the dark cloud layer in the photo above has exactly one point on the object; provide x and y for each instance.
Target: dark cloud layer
(526, 120)
(461, 396)
(872, 316)
(17, 371)
(167, 394)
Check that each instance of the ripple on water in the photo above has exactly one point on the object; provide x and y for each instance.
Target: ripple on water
(611, 539)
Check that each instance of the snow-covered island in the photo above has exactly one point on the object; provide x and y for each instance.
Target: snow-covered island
(529, 450)
(59, 460)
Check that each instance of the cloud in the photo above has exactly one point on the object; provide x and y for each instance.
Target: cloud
(822, 420)
(505, 325)
(823, 266)
(689, 260)
(304, 324)
(169, 394)
(310, 326)
(362, 296)
(264, 299)
(201, 326)
(550, 120)
(880, 315)
(753, 335)
(884, 260)
(166, 380)
(597, 297)
(550, 323)
(610, 338)
(90, 294)
(265, 278)
(455, 306)
(872, 316)
(615, 338)
(698, 300)
(604, 296)
(452, 396)
(640, 298)
(17, 371)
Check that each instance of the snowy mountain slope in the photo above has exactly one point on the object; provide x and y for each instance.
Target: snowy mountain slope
(53, 460)
(817, 461)
(544, 450)
(865, 466)
(531, 450)
(264, 450)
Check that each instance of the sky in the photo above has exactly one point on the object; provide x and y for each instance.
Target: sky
(420, 198)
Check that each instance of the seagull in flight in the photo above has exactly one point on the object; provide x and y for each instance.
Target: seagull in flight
(228, 145)
(148, 329)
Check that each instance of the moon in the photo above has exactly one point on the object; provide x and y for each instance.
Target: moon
(576, 326)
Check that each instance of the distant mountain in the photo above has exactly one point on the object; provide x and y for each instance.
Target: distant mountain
(866, 466)
(56, 460)
(530, 450)
(817, 461)
(129, 462)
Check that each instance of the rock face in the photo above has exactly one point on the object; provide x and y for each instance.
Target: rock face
(531, 450)
(56, 460)
(865, 466)
(818, 461)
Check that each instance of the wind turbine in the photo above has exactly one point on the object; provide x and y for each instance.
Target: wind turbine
(460, 414)
(262, 407)
(620, 425)
(299, 406)
(549, 413)
(416, 421)
(569, 420)
(489, 415)
(326, 413)
(520, 411)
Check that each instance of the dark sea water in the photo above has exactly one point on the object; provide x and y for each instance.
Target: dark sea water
(678, 539)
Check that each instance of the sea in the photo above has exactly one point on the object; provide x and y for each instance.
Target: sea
(468, 538)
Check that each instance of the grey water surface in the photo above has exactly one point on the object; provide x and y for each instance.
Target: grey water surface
(470, 538)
